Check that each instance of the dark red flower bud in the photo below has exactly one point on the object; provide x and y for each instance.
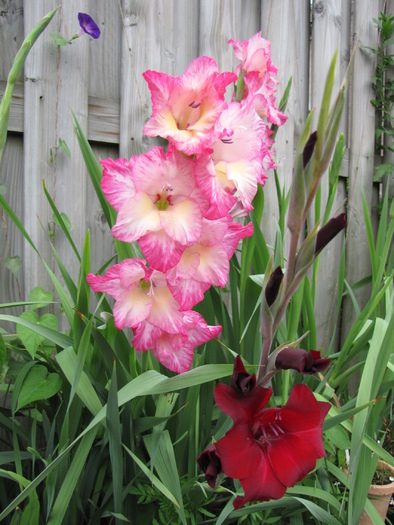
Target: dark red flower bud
(308, 149)
(301, 360)
(272, 288)
(210, 464)
(329, 231)
(242, 382)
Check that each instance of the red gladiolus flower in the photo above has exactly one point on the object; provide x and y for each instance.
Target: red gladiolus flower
(270, 449)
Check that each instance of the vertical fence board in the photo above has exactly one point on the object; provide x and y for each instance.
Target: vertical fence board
(11, 241)
(329, 34)
(361, 162)
(101, 240)
(11, 173)
(39, 131)
(220, 21)
(104, 53)
(70, 194)
(286, 25)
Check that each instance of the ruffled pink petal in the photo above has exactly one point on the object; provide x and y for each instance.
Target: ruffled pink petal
(161, 251)
(234, 234)
(215, 185)
(137, 217)
(174, 352)
(198, 330)
(119, 277)
(188, 292)
(109, 284)
(160, 86)
(117, 182)
(144, 335)
(248, 133)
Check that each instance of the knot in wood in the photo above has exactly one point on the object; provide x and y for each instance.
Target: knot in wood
(320, 8)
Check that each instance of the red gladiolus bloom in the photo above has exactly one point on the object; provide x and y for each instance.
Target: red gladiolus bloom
(270, 449)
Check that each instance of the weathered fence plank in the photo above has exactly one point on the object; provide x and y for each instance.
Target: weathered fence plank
(11, 172)
(329, 35)
(40, 88)
(286, 25)
(361, 163)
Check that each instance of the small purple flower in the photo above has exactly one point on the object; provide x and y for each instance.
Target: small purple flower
(88, 25)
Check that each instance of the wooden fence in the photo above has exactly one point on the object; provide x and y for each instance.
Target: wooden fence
(101, 81)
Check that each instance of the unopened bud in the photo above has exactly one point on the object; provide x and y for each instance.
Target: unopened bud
(210, 464)
(308, 149)
(301, 360)
(272, 288)
(241, 381)
(329, 231)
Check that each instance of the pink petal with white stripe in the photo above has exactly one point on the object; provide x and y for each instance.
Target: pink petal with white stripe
(117, 182)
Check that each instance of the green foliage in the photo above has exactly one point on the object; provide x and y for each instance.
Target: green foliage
(384, 85)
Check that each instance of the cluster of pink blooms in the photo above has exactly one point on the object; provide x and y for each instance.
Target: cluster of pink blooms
(180, 204)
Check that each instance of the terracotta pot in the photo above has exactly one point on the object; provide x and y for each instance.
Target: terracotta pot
(379, 496)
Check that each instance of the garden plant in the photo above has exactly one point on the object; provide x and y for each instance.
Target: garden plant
(188, 388)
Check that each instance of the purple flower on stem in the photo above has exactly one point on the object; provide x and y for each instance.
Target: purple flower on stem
(88, 25)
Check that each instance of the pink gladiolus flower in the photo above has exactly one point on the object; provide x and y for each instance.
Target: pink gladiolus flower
(159, 204)
(206, 263)
(260, 74)
(240, 157)
(185, 108)
(141, 295)
(175, 351)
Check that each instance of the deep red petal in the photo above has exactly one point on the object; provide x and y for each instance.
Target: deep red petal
(292, 458)
(238, 406)
(238, 452)
(302, 411)
(264, 484)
